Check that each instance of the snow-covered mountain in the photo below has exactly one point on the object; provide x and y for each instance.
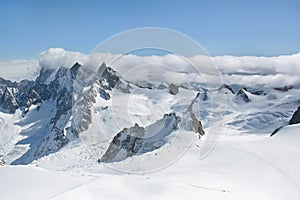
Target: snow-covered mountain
(62, 103)
(88, 121)
(40, 117)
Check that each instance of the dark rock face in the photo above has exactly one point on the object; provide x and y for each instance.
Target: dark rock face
(243, 96)
(15, 95)
(137, 140)
(2, 162)
(276, 131)
(225, 86)
(284, 88)
(173, 89)
(190, 122)
(202, 96)
(104, 94)
(74, 70)
(296, 117)
(108, 77)
(258, 92)
(197, 126)
(126, 143)
(7, 101)
(294, 120)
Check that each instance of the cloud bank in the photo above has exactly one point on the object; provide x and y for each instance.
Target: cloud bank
(247, 70)
(251, 70)
(16, 70)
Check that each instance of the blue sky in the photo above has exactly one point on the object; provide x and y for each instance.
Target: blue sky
(256, 27)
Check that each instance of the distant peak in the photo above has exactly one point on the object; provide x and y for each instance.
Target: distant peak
(225, 86)
(74, 69)
(102, 68)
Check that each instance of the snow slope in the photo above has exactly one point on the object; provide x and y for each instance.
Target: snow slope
(240, 167)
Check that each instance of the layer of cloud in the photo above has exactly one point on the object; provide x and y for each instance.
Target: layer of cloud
(247, 70)
(58, 57)
(287, 64)
(17, 70)
(252, 70)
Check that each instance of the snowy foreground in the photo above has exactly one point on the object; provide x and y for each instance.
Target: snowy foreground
(247, 166)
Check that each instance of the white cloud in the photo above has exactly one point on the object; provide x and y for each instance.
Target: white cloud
(287, 64)
(248, 70)
(252, 70)
(16, 70)
(58, 57)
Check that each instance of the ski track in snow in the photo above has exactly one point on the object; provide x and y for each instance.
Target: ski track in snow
(272, 165)
(71, 189)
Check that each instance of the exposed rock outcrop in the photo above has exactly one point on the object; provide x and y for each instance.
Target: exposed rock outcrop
(284, 88)
(242, 96)
(294, 120)
(173, 89)
(137, 140)
(190, 122)
(197, 125)
(226, 88)
(296, 117)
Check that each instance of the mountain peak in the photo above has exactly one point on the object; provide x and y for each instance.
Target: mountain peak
(225, 86)
(296, 117)
(74, 70)
(101, 69)
(242, 96)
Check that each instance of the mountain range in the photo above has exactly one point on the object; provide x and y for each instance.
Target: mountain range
(109, 113)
